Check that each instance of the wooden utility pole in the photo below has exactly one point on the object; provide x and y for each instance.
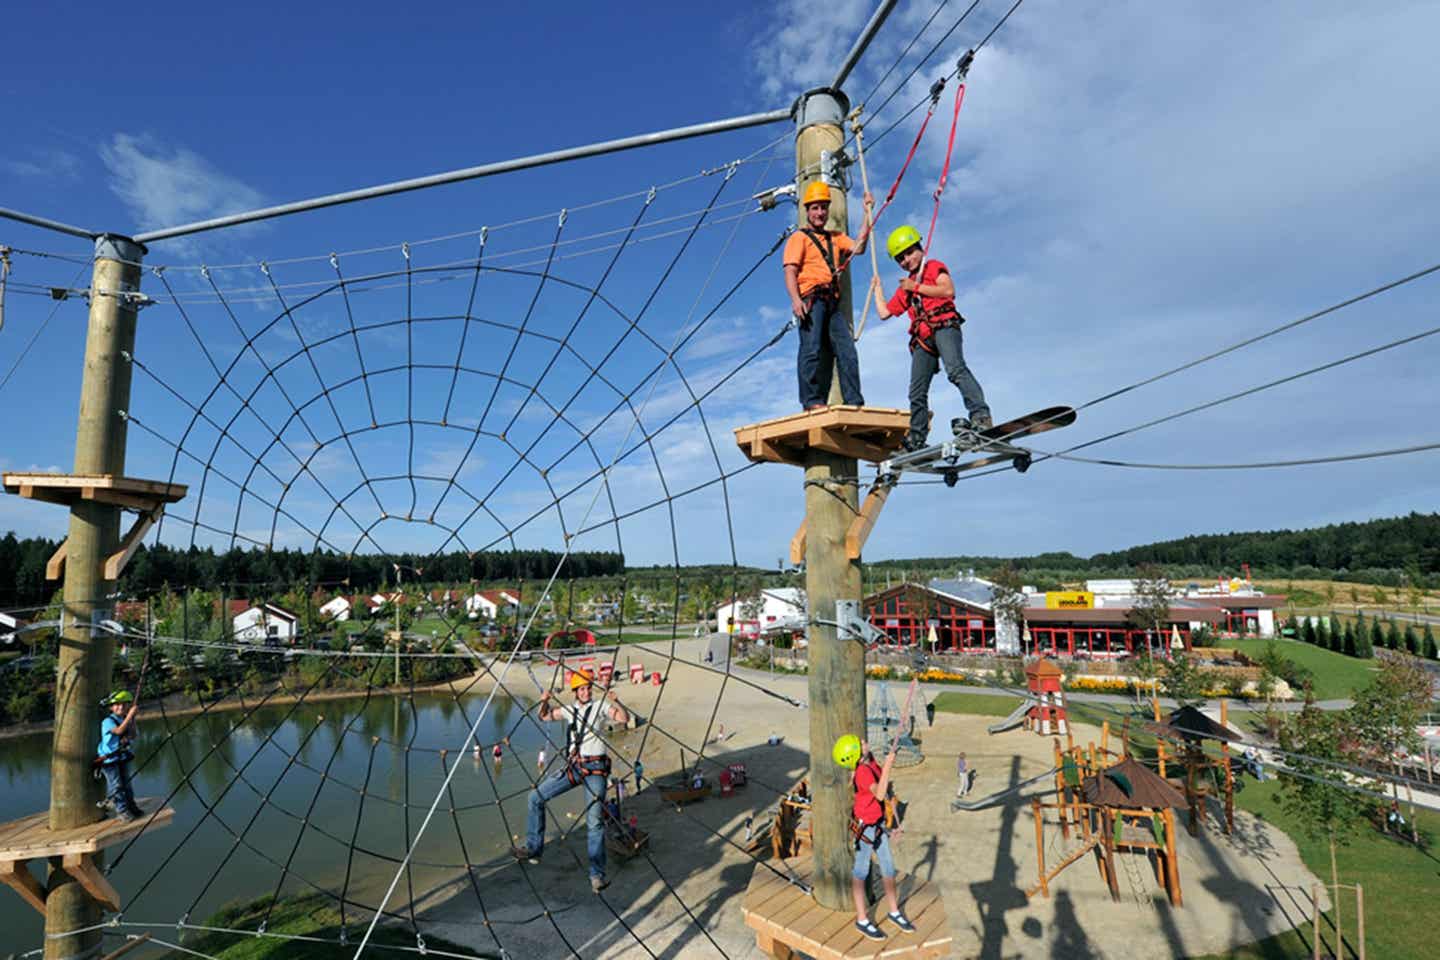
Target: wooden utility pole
(837, 663)
(86, 653)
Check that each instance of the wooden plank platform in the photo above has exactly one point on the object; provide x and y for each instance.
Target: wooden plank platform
(66, 488)
(787, 920)
(31, 837)
(866, 433)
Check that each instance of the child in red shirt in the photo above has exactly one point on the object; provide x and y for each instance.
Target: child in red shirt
(928, 295)
(871, 781)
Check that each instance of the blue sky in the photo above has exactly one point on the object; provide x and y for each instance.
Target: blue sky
(1133, 186)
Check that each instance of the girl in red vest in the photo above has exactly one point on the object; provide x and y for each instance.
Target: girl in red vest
(928, 295)
(871, 781)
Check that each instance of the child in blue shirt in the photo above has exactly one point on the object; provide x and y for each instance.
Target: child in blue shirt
(117, 732)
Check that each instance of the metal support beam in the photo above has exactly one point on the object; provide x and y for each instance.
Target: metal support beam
(47, 224)
(877, 19)
(472, 173)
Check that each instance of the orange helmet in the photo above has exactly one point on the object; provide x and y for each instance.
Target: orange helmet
(817, 192)
(581, 678)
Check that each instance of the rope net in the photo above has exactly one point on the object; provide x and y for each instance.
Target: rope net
(398, 462)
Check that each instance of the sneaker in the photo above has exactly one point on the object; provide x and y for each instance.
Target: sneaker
(816, 407)
(599, 883)
(868, 928)
(960, 425)
(526, 854)
(981, 421)
(125, 815)
(912, 442)
(898, 918)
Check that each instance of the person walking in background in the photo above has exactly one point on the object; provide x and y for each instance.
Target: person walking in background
(962, 768)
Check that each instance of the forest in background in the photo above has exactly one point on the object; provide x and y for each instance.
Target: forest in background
(1390, 552)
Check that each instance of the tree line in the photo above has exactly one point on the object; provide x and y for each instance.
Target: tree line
(22, 568)
(1396, 551)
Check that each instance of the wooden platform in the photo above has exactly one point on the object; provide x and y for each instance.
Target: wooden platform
(65, 489)
(148, 498)
(30, 838)
(865, 433)
(787, 920)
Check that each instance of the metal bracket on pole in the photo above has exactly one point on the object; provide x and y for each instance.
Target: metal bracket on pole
(833, 164)
(850, 623)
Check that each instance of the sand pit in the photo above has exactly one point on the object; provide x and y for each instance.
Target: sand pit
(1237, 889)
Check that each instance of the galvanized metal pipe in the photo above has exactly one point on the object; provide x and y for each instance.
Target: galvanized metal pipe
(470, 173)
(877, 20)
(48, 224)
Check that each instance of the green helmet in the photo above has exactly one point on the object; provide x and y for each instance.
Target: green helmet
(902, 239)
(120, 696)
(847, 751)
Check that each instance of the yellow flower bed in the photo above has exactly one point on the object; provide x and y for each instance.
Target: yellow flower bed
(1099, 684)
(936, 675)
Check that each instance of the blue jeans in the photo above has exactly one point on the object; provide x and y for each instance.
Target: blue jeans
(882, 856)
(117, 785)
(924, 366)
(826, 342)
(552, 787)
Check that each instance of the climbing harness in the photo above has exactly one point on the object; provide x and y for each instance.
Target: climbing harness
(829, 291)
(582, 721)
(924, 322)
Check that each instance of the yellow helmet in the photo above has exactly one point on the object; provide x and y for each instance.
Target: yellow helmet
(818, 191)
(902, 239)
(581, 678)
(847, 751)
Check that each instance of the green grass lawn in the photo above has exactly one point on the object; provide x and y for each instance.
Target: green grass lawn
(1400, 882)
(980, 704)
(308, 916)
(1336, 675)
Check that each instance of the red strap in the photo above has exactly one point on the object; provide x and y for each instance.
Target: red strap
(945, 170)
(894, 187)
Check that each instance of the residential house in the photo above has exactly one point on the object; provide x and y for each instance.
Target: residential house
(266, 623)
(488, 604)
(337, 610)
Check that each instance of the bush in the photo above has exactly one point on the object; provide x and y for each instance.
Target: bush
(1392, 637)
(1412, 642)
(1349, 648)
(1428, 638)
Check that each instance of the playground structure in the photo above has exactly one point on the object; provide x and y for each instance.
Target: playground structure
(1043, 710)
(1114, 806)
(1205, 775)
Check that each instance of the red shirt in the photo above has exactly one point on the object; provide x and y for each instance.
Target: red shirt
(867, 806)
(901, 301)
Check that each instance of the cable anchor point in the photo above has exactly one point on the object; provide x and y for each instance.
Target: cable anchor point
(563, 214)
(962, 66)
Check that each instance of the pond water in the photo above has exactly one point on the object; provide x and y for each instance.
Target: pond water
(266, 773)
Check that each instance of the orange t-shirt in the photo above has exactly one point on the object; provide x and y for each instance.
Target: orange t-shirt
(801, 251)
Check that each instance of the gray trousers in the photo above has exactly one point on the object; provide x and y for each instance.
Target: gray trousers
(924, 366)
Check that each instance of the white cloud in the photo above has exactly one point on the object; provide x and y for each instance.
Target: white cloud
(168, 185)
(43, 163)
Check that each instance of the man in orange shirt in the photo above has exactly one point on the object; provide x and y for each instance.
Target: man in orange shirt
(814, 258)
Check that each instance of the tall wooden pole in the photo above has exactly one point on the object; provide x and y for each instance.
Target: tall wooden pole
(837, 663)
(86, 654)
